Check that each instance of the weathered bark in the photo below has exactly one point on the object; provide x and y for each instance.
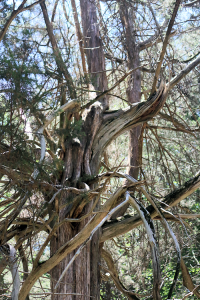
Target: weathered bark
(77, 154)
(77, 280)
(82, 277)
(134, 86)
(81, 158)
(87, 277)
(79, 161)
(123, 120)
(24, 263)
(69, 246)
(84, 273)
(94, 48)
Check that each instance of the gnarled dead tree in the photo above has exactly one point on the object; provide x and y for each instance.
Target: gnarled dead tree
(69, 208)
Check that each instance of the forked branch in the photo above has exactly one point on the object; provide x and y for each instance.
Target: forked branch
(14, 14)
(183, 73)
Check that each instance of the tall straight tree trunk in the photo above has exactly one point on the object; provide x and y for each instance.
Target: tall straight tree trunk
(133, 90)
(134, 87)
(94, 48)
(134, 96)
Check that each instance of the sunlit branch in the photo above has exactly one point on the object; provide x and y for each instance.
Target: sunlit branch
(187, 281)
(123, 120)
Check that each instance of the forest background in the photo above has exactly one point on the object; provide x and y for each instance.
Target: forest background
(99, 149)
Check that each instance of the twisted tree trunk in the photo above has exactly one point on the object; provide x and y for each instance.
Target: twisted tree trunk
(83, 276)
(82, 158)
(74, 224)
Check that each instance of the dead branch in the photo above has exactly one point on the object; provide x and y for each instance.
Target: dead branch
(146, 219)
(167, 36)
(124, 120)
(59, 61)
(172, 199)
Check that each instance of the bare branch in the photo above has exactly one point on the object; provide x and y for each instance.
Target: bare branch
(176, 218)
(153, 40)
(168, 228)
(9, 254)
(183, 73)
(59, 61)
(91, 235)
(112, 88)
(167, 36)
(79, 35)
(146, 219)
(54, 11)
(20, 9)
(12, 216)
(172, 199)
(190, 4)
